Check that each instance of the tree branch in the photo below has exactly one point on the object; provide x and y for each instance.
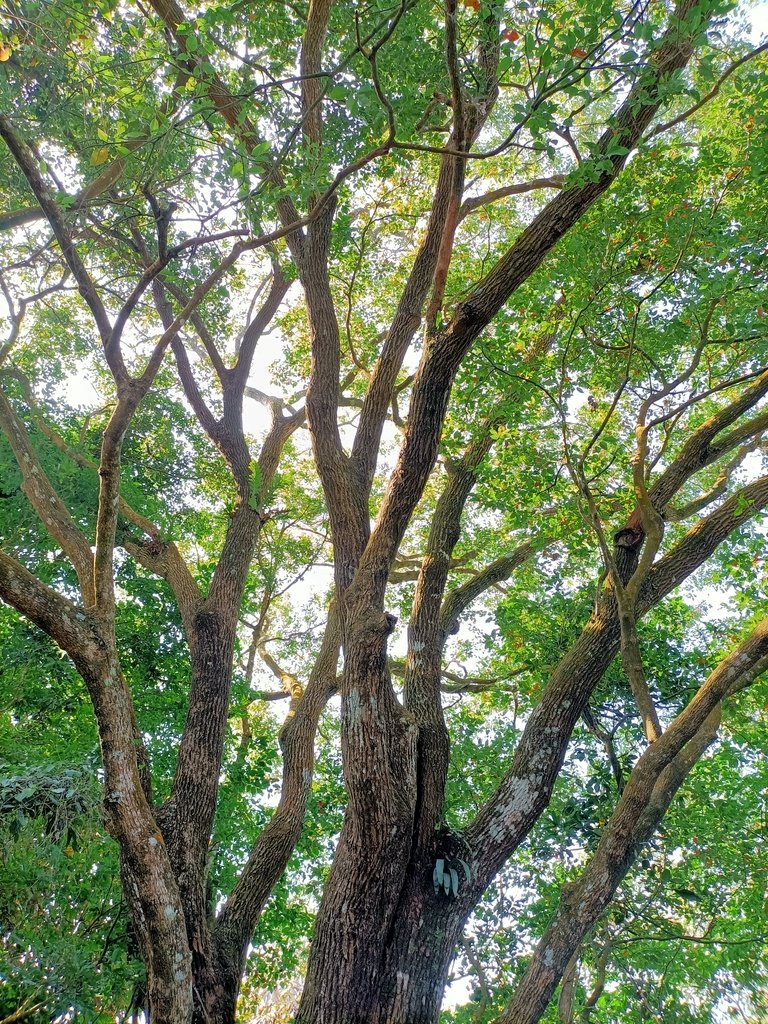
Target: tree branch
(524, 792)
(64, 622)
(659, 129)
(310, 66)
(720, 486)
(28, 166)
(232, 111)
(655, 779)
(444, 353)
(459, 599)
(267, 860)
(427, 636)
(555, 181)
(258, 325)
(53, 513)
(434, 251)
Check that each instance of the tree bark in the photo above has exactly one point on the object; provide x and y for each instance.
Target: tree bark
(370, 879)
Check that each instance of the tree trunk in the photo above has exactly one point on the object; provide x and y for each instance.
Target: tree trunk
(361, 896)
(149, 881)
(419, 953)
(187, 818)
(397, 975)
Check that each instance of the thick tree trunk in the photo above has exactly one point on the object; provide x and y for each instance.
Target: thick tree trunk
(148, 879)
(407, 973)
(384, 939)
(420, 950)
(362, 892)
(397, 975)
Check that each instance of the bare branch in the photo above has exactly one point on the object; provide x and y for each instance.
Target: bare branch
(290, 682)
(659, 129)
(459, 599)
(258, 325)
(555, 181)
(28, 166)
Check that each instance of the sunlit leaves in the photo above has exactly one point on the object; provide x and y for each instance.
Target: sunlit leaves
(669, 264)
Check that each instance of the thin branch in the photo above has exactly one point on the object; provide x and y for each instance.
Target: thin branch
(258, 325)
(719, 487)
(554, 181)
(29, 168)
(659, 129)
(459, 599)
(482, 979)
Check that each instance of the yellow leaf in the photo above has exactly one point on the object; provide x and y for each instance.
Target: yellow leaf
(100, 156)
(5, 52)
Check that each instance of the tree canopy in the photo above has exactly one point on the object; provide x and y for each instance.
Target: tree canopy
(383, 468)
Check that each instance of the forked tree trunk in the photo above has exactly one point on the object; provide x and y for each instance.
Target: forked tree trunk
(384, 939)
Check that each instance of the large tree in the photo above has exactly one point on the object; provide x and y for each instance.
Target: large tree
(505, 259)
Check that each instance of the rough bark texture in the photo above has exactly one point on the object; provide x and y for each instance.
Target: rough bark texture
(384, 937)
(368, 891)
(653, 783)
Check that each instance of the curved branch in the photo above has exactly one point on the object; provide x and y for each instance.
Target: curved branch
(524, 792)
(28, 166)
(267, 860)
(44, 499)
(720, 486)
(649, 791)
(659, 129)
(554, 181)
